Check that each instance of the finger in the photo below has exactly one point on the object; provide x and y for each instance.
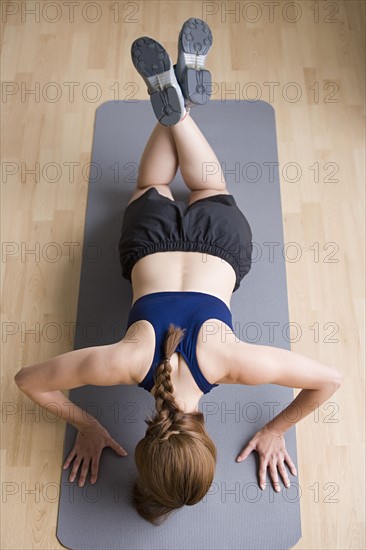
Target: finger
(94, 469)
(290, 464)
(116, 447)
(69, 458)
(246, 452)
(274, 475)
(262, 473)
(75, 468)
(282, 470)
(84, 472)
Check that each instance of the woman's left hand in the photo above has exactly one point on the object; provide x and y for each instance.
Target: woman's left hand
(271, 448)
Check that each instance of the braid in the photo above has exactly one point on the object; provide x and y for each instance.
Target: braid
(178, 471)
(167, 408)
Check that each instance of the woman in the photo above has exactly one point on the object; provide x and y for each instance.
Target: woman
(184, 262)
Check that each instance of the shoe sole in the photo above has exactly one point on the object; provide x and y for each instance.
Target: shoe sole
(150, 58)
(196, 38)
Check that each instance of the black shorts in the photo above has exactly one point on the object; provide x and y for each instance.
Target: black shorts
(214, 225)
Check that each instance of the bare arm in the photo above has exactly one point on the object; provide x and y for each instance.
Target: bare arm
(251, 364)
(108, 365)
(99, 366)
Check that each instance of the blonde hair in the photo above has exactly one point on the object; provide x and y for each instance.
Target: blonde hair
(176, 459)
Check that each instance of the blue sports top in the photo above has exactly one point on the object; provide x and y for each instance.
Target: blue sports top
(187, 310)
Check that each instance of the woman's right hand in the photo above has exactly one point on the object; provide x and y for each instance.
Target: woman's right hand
(88, 447)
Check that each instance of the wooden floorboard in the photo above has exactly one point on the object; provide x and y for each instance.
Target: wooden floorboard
(307, 60)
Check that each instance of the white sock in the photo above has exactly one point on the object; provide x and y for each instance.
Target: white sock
(159, 81)
(194, 61)
(190, 60)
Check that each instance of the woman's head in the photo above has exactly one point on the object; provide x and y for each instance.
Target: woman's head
(176, 459)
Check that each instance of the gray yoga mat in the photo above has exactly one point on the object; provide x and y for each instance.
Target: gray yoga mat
(235, 514)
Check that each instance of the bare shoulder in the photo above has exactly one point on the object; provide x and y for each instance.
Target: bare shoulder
(103, 365)
(214, 337)
(139, 344)
(226, 359)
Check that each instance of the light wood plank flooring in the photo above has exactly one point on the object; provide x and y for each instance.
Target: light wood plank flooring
(307, 60)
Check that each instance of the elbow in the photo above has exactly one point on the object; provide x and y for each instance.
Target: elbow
(337, 379)
(19, 379)
(18, 376)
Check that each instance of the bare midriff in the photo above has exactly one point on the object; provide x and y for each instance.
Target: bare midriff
(182, 272)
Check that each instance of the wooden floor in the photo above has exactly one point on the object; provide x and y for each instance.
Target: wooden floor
(307, 60)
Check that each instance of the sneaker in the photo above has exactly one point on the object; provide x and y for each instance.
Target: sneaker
(194, 43)
(156, 68)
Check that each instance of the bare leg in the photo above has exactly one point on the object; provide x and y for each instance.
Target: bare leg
(198, 163)
(182, 144)
(158, 164)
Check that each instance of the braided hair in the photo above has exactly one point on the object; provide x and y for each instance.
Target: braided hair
(176, 459)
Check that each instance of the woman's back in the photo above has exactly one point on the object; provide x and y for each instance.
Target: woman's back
(183, 271)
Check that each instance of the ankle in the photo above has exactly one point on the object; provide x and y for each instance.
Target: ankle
(188, 109)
